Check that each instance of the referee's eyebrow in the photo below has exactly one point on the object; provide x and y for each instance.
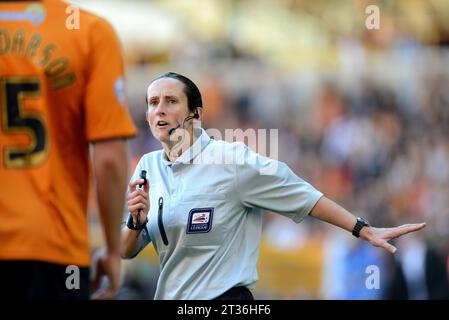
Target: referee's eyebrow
(168, 96)
(153, 99)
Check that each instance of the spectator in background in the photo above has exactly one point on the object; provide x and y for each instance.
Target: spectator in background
(418, 272)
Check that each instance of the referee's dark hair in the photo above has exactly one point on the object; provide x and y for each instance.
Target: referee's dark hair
(192, 92)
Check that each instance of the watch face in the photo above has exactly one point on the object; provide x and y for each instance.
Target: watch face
(365, 222)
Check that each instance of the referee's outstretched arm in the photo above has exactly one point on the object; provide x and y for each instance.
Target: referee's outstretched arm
(329, 211)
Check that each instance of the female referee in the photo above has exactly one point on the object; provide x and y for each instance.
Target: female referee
(201, 209)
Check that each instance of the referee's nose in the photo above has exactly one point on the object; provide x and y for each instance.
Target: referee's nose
(160, 109)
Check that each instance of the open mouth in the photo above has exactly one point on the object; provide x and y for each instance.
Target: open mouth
(162, 124)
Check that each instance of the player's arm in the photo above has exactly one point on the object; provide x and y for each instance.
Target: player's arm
(329, 211)
(110, 164)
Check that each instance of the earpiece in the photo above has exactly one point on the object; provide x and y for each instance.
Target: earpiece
(196, 115)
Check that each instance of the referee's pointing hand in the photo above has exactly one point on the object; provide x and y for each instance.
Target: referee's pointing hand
(138, 199)
(379, 237)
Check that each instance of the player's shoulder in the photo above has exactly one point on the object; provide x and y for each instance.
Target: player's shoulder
(89, 22)
(97, 24)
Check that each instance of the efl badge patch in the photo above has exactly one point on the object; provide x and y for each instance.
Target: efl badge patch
(200, 220)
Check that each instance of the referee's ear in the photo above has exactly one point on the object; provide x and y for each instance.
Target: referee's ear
(198, 113)
(147, 117)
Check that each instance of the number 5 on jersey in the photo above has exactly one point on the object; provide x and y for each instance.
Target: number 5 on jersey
(18, 121)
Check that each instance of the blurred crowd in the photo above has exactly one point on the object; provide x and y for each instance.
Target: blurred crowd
(370, 131)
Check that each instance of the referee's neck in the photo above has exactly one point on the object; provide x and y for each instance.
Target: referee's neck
(181, 142)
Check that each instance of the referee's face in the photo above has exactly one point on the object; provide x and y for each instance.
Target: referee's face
(167, 107)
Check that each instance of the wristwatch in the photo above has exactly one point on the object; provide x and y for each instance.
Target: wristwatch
(358, 226)
(130, 224)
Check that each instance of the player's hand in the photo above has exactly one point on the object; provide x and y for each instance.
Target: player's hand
(138, 199)
(105, 264)
(379, 237)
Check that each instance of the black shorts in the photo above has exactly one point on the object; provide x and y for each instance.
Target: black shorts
(34, 280)
(236, 293)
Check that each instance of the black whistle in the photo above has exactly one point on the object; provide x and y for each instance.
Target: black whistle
(143, 175)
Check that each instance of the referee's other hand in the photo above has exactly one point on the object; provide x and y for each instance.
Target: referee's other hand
(138, 199)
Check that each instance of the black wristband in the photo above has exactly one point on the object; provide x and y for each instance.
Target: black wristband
(358, 226)
(130, 224)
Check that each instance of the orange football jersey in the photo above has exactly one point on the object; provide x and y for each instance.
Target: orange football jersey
(61, 87)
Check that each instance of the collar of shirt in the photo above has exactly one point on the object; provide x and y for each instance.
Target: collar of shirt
(188, 155)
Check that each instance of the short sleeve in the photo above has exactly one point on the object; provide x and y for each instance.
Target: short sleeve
(271, 185)
(106, 111)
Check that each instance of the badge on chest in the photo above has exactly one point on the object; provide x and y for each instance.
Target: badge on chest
(200, 220)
